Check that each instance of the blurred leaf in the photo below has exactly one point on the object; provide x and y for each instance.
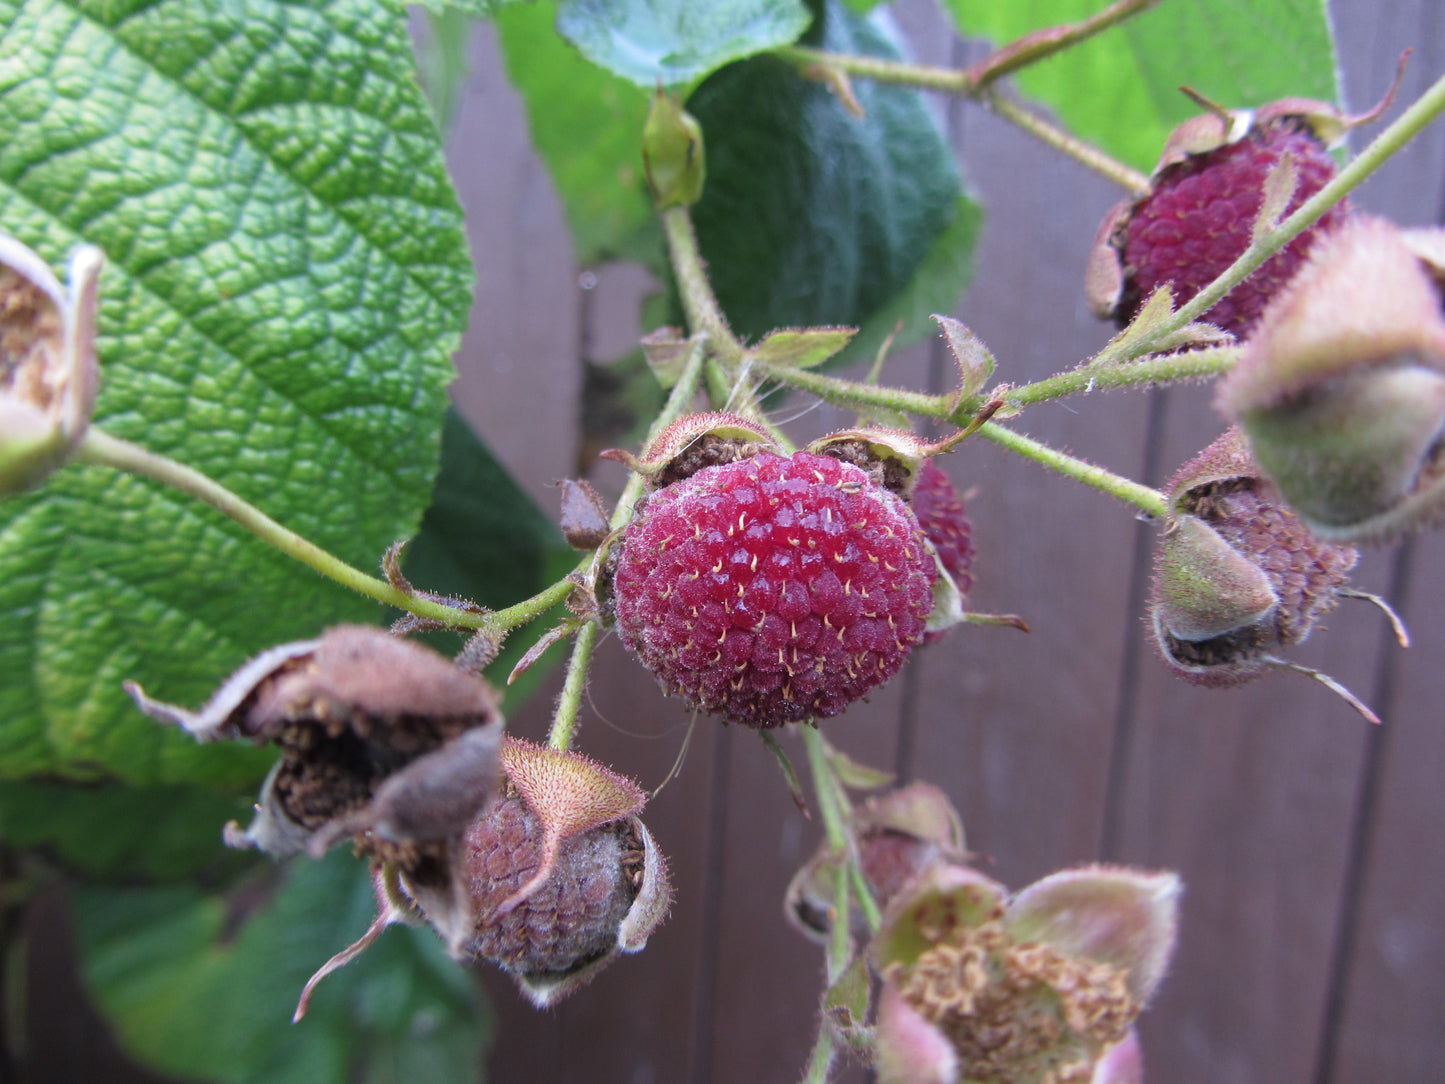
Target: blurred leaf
(677, 41)
(201, 987)
(1238, 53)
(442, 62)
(116, 832)
(287, 278)
(587, 126)
(483, 539)
(811, 217)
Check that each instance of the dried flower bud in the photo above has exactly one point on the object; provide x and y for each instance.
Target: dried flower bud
(584, 517)
(1341, 391)
(1033, 989)
(382, 740)
(48, 370)
(1238, 576)
(900, 834)
(693, 442)
(556, 879)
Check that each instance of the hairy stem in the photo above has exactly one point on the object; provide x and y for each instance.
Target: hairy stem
(1061, 139)
(698, 301)
(101, 449)
(974, 84)
(1142, 497)
(569, 702)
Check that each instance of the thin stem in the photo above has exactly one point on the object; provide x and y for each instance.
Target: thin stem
(820, 1062)
(853, 393)
(1086, 154)
(569, 702)
(879, 69)
(966, 84)
(1165, 369)
(822, 772)
(1142, 497)
(1041, 44)
(698, 301)
(101, 449)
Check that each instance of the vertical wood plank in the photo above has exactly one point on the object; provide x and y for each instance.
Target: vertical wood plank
(1387, 1022)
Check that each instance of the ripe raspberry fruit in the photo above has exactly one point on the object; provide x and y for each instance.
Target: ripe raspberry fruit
(944, 520)
(1200, 213)
(773, 589)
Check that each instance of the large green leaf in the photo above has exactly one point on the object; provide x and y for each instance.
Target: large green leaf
(677, 41)
(199, 987)
(1120, 90)
(810, 215)
(287, 277)
(587, 125)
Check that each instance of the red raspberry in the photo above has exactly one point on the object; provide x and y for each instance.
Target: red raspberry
(1199, 217)
(772, 589)
(944, 520)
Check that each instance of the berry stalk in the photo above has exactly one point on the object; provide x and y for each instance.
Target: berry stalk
(1149, 501)
(101, 449)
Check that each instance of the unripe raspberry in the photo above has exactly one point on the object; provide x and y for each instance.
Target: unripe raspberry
(575, 913)
(1200, 213)
(773, 589)
(1238, 576)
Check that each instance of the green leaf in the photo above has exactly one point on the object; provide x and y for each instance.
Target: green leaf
(587, 125)
(201, 987)
(287, 277)
(1119, 90)
(483, 539)
(810, 216)
(116, 832)
(442, 61)
(677, 41)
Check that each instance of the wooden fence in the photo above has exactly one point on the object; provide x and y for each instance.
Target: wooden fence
(1312, 948)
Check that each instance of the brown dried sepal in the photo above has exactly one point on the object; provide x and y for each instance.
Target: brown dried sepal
(584, 518)
(382, 740)
(892, 458)
(693, 442)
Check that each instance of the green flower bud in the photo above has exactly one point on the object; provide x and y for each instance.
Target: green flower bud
(672, 153)
(1341, 390)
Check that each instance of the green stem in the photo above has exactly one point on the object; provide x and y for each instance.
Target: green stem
(833, 825)
(820, 1062)
(853, 393)
(569, 702)
(1142, 497)
(952, 81)
(101, 449)
(1404, 128)
(698, 301)
(1086, 154)
(1165, 369)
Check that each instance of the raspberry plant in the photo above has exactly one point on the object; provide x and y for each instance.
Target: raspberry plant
(267, 276)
